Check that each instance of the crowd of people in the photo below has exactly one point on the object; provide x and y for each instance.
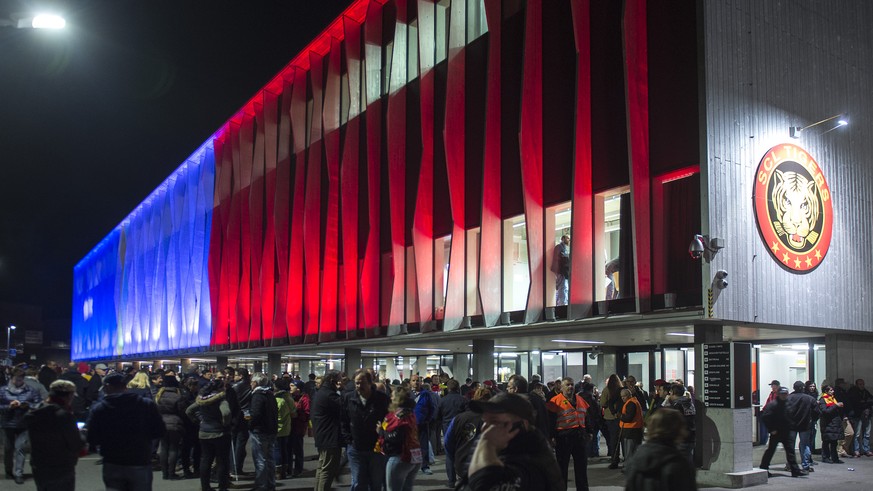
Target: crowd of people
(515, 435)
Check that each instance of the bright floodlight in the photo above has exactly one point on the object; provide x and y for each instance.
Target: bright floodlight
(842, 122)
(48, 21)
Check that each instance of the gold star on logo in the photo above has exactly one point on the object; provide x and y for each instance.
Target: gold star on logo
(775, 246)
(796, 262)
(785, 258)
(808, 262)
(818, 254)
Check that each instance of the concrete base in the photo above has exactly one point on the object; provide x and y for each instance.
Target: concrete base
(733, 480)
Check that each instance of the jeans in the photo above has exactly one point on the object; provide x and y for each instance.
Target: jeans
(55, 481)
(217, 449)
(424, 439)
(240, 438)
(862, 434)
(571, 443)
(127, 477)
(612, 446)
(295, 451)
(763, 433)
(787, 439)
(399, 475)
(328, 467)
(13, 451)
(594, 445)
(368, 469)
(170, 443)
(281, 455)
(562, 289)
(265, 467)
(805, 449)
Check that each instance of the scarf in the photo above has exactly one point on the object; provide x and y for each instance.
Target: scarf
(829, 399)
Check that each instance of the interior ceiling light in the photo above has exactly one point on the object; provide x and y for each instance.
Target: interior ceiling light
(426, 349)
(379, 352)
(576, 341)
(685, 334)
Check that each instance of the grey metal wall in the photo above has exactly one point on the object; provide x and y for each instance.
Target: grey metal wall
(770, 65)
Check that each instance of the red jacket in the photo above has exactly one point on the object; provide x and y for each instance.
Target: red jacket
(300, 424)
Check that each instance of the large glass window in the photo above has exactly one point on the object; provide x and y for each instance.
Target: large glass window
(638, 366)
(607, 233)
(442, 252)
(516, 270)
(553, 365)
(474, 303)
(575, 365)
(558, 221)
(674, 364)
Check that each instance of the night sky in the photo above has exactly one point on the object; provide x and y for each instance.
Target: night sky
(94, 117)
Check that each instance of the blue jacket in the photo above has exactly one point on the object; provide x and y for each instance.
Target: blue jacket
(12, 417)
(425, 406)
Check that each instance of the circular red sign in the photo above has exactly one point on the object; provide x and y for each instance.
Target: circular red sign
(793, 208)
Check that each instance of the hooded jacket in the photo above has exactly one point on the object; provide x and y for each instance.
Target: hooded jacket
(658, 465)
(265, 412)
(212, 413)
(171, 406)
(287, 411)
(326, 409)
(124, 425)
(802, 411)
(54, 439)
(831, 418)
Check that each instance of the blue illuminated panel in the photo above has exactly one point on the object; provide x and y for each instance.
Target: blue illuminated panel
(145, 287)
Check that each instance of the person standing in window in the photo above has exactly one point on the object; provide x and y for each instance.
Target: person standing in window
(561, 268)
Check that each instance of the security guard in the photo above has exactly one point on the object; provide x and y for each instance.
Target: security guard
(571, 432)
(631, 424)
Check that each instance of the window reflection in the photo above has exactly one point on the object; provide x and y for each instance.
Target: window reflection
(516, 271)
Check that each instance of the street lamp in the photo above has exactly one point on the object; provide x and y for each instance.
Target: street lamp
(8, 339)
(39, 21)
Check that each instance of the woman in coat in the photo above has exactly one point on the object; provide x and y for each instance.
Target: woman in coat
(658, 464)
(171, 406)
(831, 425)
(398, 440)
(212, 412)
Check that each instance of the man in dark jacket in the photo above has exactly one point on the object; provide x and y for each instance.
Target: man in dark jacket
(80, 400)
(774, 416)
(363, 409)
(861, 401)
(802, 412)
(242, 388)
(55, 440)
(451, 405)
(680, 401)
(326, 424)
(425, 415)
(263, 428)
(124, 425)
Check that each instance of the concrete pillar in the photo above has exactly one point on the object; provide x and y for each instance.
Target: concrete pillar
(221, 362)
(305, 369)
(461, 367)
(156, 364)
(483, 359)
(186, 364)
(391, 372)
(848, 356)
(420, 366)
(274, 364)
(724, 435)
(258, 367)
(136, 365)
(351, 361)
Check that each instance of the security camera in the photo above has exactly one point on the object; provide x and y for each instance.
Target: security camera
(721, 284)
(721, 274)
(696, 247)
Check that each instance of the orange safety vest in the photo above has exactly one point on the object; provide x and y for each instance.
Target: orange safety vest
(569, 417)
(638, 417)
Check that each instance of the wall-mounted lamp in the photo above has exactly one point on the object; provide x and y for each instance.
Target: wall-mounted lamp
(703, 246)
(841, 120)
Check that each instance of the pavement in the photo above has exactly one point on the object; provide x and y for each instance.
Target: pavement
(856, 473)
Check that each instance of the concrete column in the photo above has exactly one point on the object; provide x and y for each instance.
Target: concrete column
(391, 371)
(483, 359)
(221, 362)
(305, 369)
(136, 365)
(274, 364)
(186, 364)
(420, 366)
(258, 367)
(156, 364)
(461, 367)
(848, 356)
(724, 435)
(351, 361)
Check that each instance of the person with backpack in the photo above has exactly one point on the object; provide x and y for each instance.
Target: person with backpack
(802, 412)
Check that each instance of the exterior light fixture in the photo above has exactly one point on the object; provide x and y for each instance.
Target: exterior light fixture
(841, 120)
(8, 339)
(40, 21)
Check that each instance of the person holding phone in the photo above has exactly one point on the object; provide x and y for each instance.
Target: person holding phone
(16, 398)
(510, 454)
(55, 439)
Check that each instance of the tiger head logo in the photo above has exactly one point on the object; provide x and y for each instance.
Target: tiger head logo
(797, 204)
(793, 208)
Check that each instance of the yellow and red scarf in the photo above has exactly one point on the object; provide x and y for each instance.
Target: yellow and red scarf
(829, 399)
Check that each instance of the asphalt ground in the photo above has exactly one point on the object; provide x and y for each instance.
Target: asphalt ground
(856, 473)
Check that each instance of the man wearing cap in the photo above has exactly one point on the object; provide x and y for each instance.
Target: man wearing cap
(509, 453)
(774, 416)
(571, 432)
(55, 440)
(92, 391)
(126, 447)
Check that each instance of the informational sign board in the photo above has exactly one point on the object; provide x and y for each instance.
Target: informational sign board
(727, 378)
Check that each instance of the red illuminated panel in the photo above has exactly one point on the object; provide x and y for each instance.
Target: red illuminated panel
(396, 136)
(582, 245)
(256, 210)
(234, 236)
(282, 216)
(422, 228)
(294, 314)
(243, 160)
(490, 285)
(455, 141)
(637, 93)
(217, 243)
(331, 117)
(349, 180)
(370, 272)
(531, 147)
(268, 134)
(312, 209)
